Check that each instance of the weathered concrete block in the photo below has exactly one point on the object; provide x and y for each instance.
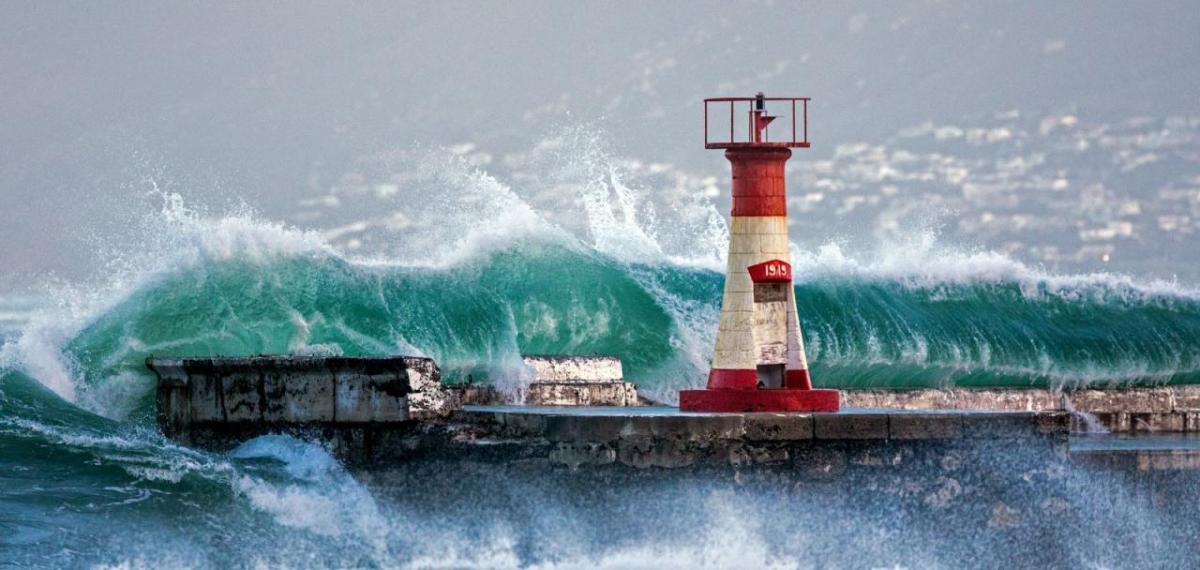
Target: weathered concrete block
(1115, 421)
(522, 424)
(691, 428)
(645, 451)
(1168, 422)
(600, 429)
(918, 399)
(362, 397)
(206, 398)
(578, 369)
(1185, 398)
(953, 399)
(174, 413)
(580, 394)
(610, 428)
(476, 395)
(240, 393)
(778, 427)
(850, 426)
(924, 426)
(1017, 400)
(172, 401)
(578, 381)
(292, 401)
(423, 373)
(864, 399)
(429, 398)
(1134, 400)
(241, 397)
(749, 454)
(170, 373)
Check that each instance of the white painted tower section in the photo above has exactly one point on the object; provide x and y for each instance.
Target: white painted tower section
(745, 335)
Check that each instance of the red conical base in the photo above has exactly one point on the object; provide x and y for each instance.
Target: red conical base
(764, 400)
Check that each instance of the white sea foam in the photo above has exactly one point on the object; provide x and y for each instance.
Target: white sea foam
(38, 352)
(173, 239)
(322, 499)
(321, 496)
(455, 213)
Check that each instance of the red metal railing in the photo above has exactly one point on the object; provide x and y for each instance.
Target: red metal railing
(796, 107)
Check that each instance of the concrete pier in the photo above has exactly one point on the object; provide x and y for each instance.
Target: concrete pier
(1166, 409)
(1122, 410)
(380, 411)
(366, 410)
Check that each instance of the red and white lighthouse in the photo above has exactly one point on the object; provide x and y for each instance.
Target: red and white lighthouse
(759, 363)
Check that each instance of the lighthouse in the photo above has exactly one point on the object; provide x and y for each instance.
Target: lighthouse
(758, 363)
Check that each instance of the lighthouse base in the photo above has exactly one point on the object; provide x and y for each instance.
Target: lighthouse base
(762, 400)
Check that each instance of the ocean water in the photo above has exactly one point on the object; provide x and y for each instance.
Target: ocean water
(85, 479)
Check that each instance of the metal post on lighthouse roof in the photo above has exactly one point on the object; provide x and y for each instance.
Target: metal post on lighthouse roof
(759, 364)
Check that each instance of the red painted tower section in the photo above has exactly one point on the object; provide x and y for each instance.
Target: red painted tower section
(759, 363)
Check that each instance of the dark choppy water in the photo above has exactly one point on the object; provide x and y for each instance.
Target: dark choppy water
(82, 491)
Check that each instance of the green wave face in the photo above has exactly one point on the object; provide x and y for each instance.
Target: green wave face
(1000, 333)
(542, 298)
(475, 319)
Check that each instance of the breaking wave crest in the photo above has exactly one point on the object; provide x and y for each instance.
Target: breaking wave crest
(916, 315)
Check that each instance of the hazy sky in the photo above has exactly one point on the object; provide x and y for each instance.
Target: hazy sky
(266, 102)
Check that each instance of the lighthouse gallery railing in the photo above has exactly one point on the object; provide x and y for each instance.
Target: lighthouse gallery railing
(740, 121)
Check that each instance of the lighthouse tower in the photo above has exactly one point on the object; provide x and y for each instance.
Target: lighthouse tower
(759, 363)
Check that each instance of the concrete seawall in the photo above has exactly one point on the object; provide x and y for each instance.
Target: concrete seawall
(214, 398)
(667, 438)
